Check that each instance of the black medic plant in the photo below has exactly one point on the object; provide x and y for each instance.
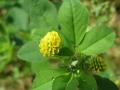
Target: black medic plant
(72, 67)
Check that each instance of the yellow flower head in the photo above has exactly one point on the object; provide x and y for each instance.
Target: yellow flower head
(50, 44)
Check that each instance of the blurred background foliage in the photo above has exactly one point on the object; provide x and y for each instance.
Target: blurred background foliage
(15, 30)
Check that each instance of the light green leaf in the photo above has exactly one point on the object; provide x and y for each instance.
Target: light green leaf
(46, 86)
(73, 18)
(72, 84)
(60, 82)
(6, 48)
(42, 13)
(87, 82)
(65, 82)
(30, 52)
(97, 41)
(45, 72)
(20, 18)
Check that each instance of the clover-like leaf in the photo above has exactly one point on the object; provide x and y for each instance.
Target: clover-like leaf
(97, 40)
(46, 72)
(87, 82)
(73, 18)
(45, 86)
(65, 82)
(105, 84)
(20, 18)
(30, 52)
(42, 13)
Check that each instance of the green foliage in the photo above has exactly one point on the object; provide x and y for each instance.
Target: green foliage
(5, 48)
(87, 81)
(66, 82)
(45, 72)
(20, 18)
(13, 29)
(73, 21)
(97, 40)
(104, 83)
(46, 86)
(30, 52)
(60, 72)
(42, 13)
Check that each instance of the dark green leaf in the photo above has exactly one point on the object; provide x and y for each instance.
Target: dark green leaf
(105, 84)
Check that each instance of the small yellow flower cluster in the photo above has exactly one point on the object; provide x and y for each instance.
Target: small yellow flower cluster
(50, 44)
